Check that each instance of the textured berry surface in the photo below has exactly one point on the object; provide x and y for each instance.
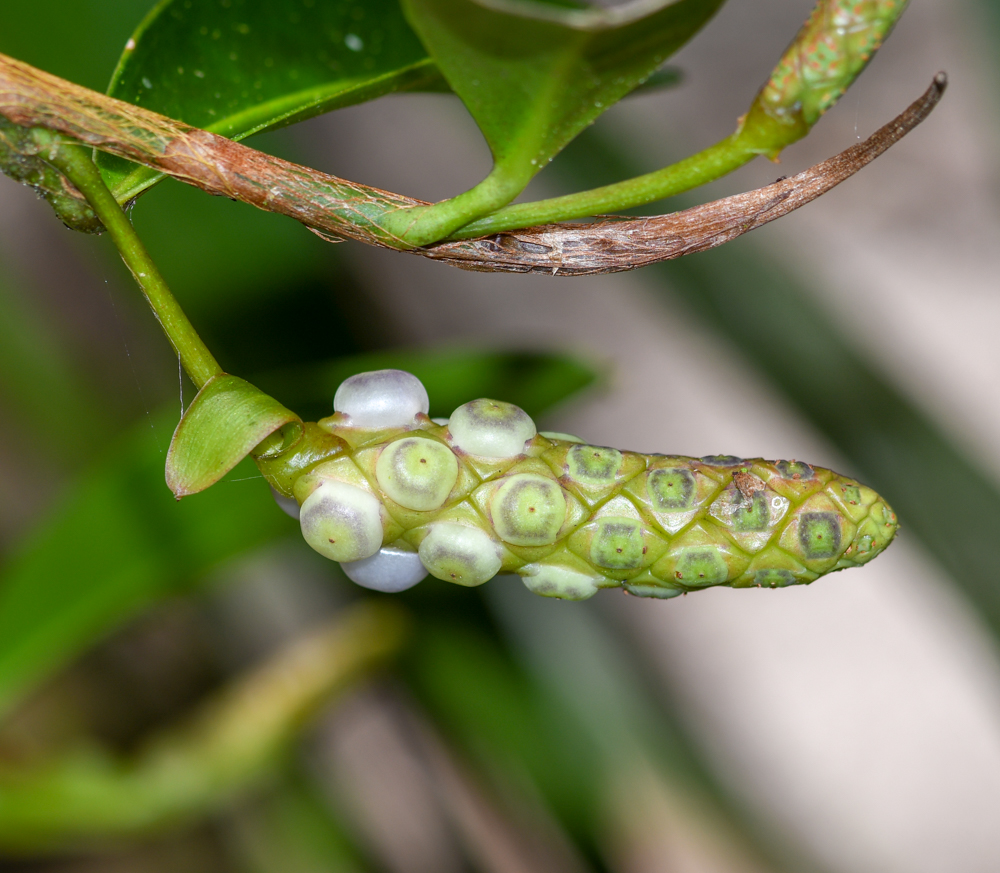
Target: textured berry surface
(571, 518)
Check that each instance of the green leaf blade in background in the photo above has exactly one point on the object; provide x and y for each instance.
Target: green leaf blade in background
(248, 66)
(117, 543)
(535, 381)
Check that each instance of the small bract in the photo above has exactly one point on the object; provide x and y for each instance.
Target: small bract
(389, 570)
(381, 399)
(491, 428)
(460, 554)
(341, 521)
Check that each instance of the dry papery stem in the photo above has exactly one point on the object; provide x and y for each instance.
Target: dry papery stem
(338, 209)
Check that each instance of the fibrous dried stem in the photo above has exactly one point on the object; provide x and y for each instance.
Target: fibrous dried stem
(338, 209)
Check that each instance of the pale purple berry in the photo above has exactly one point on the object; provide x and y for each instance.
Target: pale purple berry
(389, 570)
(381, 399)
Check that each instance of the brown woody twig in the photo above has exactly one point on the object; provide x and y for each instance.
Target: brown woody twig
(338, 209)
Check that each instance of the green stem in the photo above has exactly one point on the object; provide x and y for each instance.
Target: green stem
(700, 169)
(74, 162)
(420, 225)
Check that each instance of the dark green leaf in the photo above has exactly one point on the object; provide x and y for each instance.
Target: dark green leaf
(533, 75)
(219, 429)
(240, 67)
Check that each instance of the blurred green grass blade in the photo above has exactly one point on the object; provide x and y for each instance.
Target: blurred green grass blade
(252, 65)
(535, 381)
(942, 496)
(116, 544)
(229, 744)
(555, 701)
(499, 716)
(296, 831)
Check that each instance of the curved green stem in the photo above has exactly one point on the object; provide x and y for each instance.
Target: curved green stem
(420, 225)
(74, 162)
(700, 169)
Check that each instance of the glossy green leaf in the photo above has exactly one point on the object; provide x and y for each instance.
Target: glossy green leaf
(533, 76)
(222, 425)
(240, 67)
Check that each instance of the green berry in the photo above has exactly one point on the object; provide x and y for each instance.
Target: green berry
(417, 472)
(459, 553)
(341, 521)
(528, 510)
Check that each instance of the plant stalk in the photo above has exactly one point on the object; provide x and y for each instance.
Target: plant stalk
(74, 162)
(706, 166)
(336, 209)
